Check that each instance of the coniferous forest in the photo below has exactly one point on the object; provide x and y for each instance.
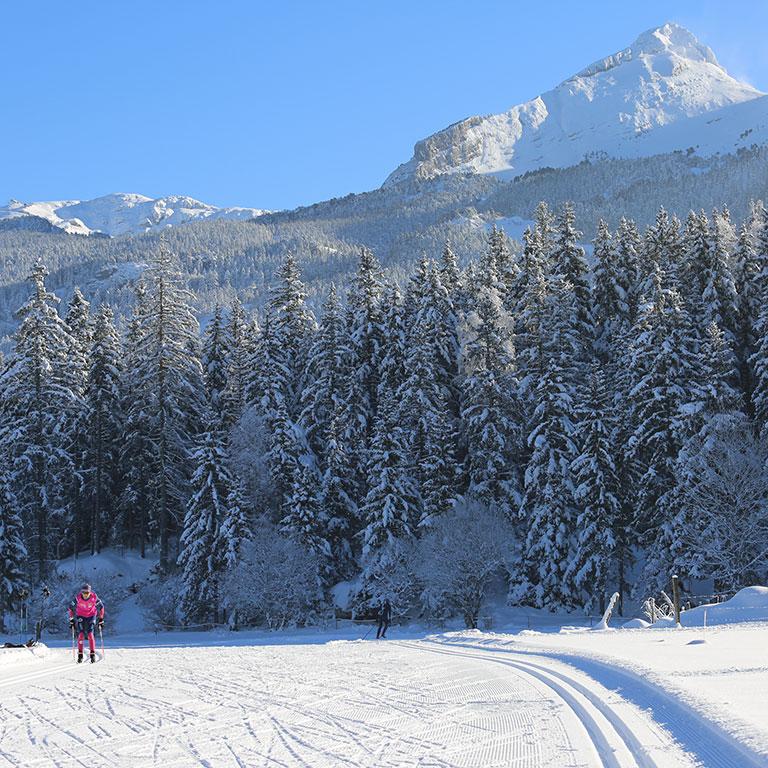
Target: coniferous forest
(573, 423)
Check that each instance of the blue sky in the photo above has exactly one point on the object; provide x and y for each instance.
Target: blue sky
(279, 104)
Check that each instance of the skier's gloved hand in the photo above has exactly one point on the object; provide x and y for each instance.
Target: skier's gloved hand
(71, 623)
(101, 623)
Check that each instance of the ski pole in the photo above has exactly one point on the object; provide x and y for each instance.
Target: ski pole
(72, 627)
(101, 635)
(365, 636)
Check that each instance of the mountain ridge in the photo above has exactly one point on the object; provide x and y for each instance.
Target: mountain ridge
(119, 213)
(665, 77)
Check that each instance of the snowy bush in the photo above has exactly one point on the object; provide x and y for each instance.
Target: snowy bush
(63, 588)
(460, 555)
(389, 575)
(249, 449)
(162, 602)
(725, 491)
(275, 583)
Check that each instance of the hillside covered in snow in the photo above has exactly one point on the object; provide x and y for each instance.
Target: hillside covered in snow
(663, 93)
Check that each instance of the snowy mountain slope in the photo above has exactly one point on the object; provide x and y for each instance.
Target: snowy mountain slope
(121, 214)
(621, 106)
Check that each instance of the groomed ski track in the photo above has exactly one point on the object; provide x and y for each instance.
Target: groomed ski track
(382, 704)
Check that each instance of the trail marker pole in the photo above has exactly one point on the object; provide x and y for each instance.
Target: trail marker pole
(676, 598)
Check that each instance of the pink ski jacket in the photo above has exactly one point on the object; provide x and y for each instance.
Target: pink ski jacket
(86, 608)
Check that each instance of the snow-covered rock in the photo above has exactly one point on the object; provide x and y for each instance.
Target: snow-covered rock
(120, 213)
(620, 106)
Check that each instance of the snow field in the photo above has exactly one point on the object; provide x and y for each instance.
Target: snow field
(337, 704)
(461, 699)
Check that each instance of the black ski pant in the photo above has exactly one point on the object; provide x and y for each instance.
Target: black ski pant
(382, 629)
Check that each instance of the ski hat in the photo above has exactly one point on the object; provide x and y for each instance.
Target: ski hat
(86, 587)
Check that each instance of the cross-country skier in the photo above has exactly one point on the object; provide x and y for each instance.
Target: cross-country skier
(84, 611)
(384, 616)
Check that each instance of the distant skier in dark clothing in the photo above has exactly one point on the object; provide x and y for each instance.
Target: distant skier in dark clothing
(84, 611)
(384, 616)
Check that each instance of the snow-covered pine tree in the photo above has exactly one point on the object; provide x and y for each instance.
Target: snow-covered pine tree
(202, 556)
(391, 374)
(304, 519)
(503, 260)
(80, 327)
(363, 355)
(214, 361)
(628, 248)
(570, 264)
(293, 327)
(489, 402)
(238, 353)
(391, 506)
(105, 432)
(170, 374)
(610, 298)
(759, 365)
(450, 275)
(137, 454)
(13, 552)
(234, 529)
(336, 501)
(663, 366)
(745, 270)
(530, 315)
(596, 495)
(39, 409)
(545, 231)
(426, 421)
(325, 375)
(694, 257)
(716, 401)
(662, 249)
(547, 508)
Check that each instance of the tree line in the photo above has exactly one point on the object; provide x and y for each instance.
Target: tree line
(604, 415)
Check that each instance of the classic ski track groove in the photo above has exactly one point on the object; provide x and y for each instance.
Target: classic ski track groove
(602, 725)
(714, 748)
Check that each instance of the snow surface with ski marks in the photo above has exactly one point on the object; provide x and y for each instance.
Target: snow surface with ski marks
(223, 701)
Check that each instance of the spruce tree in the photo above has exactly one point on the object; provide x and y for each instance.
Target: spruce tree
(547, 509)
(214, 362)
(238, 352)
(202, 556)
(40, 410)
(570, 264)
(138, 458)
(13, 552)
(105, 434)
(170, 373)
(596, 496)
(490, 431)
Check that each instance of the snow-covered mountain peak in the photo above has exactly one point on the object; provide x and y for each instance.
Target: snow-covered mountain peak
(119, 213)
(610, 108)
(668, 40)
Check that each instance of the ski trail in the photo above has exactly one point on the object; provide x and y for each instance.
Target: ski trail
(613, 752)
(697, 735)
(335, 705)
(628, 702)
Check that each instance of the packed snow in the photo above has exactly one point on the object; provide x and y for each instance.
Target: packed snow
(549, 700)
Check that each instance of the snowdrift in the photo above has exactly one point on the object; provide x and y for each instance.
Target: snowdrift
(749, 604)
